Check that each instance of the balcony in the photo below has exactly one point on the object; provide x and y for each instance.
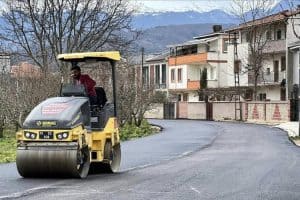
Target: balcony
(274, 46)
(268, 78)
(193, 85)
(188, 59)
(161, 86)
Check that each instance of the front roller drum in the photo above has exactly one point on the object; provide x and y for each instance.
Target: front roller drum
(53, 161)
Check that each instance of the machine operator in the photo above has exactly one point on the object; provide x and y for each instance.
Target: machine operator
(85, 80)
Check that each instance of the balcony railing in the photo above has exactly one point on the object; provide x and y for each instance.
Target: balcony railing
(267, 78)
(274, 46)
(188, 59)
(161, 86)
(193, 85)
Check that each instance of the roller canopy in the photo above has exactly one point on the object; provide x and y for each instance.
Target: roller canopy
(58, 113)
(97, 56)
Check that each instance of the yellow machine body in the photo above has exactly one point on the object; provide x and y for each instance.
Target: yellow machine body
(72, 149)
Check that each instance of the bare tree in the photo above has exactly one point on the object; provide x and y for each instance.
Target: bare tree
(294, 7)
(40, 30)
(18, 96)
(255, 26)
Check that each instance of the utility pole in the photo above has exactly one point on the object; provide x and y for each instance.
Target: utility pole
(236, 66)
(142, 66)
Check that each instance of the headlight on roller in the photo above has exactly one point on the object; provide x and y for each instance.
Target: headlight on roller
(30, 135)
(63, 135)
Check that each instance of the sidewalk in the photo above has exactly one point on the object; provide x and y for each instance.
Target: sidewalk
(292, 128)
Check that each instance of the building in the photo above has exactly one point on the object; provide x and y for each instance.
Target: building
(271, 38)
(154, 72)
(293, 52)
(190, 59)
(25, 70)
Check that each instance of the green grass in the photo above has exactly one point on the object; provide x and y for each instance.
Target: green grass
(8, 147)
(130, 131)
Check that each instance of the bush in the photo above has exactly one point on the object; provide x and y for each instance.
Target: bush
(8, 146)
(130, 131)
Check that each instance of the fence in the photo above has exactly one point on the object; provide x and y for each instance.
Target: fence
(272, 111)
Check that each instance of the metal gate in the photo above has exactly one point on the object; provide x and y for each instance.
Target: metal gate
(169, 110)
(209, 111)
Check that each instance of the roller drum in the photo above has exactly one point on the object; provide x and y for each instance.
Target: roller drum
(55, 160)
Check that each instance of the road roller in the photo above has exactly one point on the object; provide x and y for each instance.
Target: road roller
(66, 136)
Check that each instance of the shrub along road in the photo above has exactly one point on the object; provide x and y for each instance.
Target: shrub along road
(189, 160)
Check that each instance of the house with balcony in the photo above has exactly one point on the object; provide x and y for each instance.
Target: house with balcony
(269, 36)
(188, 60)
(154, 72)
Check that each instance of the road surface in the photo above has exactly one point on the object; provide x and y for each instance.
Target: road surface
(188, 160)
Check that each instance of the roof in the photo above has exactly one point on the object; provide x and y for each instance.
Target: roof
(98, 56)
(210, 35)
(160, 57)
(295, 45)
(277, 17)
(194, 42)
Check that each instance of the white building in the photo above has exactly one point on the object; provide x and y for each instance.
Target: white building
(188, 60)
(272, 40)
(293, 52)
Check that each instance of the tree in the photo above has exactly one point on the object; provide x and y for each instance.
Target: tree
(294, 7)
(249, 12)
(203, 85)
(40, 30)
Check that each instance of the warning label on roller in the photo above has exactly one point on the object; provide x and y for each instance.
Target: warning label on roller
(54, 108)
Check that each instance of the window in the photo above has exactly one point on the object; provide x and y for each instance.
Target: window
(173, 75)
(145, 76)
(179, 75)
(179, 97)
(262, 96)
(268, 71)
(157, 74)
(185, 97)
(283, 63)
(268, 35)
(163, 73)
(279, 34)
(225, 45)
(248, 37)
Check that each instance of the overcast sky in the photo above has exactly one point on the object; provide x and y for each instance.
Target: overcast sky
(181, 5)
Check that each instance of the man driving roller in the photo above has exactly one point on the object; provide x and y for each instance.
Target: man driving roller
(85, 80)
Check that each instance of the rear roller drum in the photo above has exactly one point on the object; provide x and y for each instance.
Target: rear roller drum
(112, 160)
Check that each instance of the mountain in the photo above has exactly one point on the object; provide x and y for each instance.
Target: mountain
(149, 20)
(156, 39)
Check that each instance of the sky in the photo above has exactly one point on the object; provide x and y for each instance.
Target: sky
(182, 5)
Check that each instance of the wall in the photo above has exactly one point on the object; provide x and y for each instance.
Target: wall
(176, 84)
(242, 50)
(156, 112)
(273, 93)
(196, 110)
(274, 111)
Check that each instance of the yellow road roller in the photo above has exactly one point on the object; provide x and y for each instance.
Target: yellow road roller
(66, 136)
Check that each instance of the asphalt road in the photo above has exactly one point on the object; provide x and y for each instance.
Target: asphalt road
(188, 160)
